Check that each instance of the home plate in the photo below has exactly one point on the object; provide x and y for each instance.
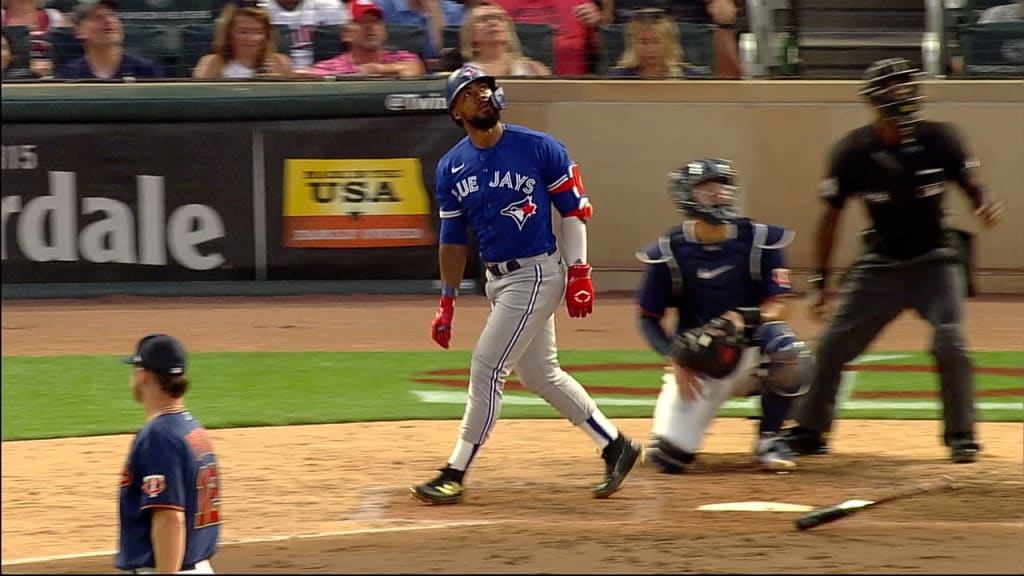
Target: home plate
(755, 507)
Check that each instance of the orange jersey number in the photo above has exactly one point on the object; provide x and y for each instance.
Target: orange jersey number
(208, 491)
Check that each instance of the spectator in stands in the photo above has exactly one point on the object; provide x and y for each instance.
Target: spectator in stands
(38, 21)
(244, 46)
(431, 15)
(653, 49)
(575, 23)
(1003, 13)
(720, 14)
(366, 36)
(303, 17)
(98, 26)
(488, 39)
(10, 71)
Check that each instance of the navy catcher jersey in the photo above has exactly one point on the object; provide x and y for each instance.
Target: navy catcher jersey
(706, 280)
(171, 465)
(505, 193)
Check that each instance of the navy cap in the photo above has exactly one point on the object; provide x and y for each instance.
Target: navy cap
(159, 353)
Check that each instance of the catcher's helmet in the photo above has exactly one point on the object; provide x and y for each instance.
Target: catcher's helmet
(463, 77)
(891, 86)
(717, 210)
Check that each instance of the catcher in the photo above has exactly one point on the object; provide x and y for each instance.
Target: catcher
(727, 278)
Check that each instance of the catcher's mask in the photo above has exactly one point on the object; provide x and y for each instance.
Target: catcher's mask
(460, 79)
(693, 199)
(891, 86)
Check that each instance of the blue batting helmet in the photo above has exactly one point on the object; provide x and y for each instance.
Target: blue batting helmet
(466, 75)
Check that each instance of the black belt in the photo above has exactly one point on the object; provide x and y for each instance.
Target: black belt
(510, 266)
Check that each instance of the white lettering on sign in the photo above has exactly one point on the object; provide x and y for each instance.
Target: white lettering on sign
(47, 227)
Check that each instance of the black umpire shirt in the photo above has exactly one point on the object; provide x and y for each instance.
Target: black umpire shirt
(902, 185)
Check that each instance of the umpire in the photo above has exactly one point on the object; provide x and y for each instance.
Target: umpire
(898, 165)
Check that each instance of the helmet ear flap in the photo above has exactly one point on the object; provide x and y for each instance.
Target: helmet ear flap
(498, 97)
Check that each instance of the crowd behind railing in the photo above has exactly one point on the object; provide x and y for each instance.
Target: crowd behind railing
(311, 39)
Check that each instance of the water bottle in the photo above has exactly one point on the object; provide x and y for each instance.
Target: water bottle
(750, 67)
(931, 54)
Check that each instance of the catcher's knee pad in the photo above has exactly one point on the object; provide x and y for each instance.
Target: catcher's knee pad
(668, 458)
(787, 365)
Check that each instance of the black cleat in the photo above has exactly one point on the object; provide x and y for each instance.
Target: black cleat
(445, 489)
(620, 457)
(804, 441)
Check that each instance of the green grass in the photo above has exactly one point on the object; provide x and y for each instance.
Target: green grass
(59, 396)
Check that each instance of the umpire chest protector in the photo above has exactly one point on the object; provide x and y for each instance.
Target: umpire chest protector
(708, 279)
(902, 185)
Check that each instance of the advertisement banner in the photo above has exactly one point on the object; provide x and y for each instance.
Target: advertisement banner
(353, 198)
(126, 203)
(364, 203)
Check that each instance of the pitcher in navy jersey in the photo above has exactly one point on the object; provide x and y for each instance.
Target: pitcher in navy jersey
(170, 487)
(719, 264)
(503, 181)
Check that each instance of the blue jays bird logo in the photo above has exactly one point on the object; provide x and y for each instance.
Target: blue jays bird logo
(520, 211)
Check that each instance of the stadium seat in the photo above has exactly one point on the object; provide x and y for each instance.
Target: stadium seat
(993, 50)
(327, 41)
(21, 47)
(143, 40)
(197, 41)
(537, 41)
(697, 41)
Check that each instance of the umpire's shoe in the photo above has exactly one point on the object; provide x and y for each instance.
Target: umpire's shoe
(804, 441)
(962, 447)
(620, 457)
(445, 489)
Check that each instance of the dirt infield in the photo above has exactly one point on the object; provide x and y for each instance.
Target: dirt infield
(334, 498)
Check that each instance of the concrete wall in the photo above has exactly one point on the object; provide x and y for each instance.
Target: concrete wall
(779, 135)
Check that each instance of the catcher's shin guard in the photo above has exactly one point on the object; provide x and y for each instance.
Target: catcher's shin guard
(668, 458)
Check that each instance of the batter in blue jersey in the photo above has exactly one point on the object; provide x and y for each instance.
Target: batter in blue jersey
(170, 487)
(503, 181)
(720, 268)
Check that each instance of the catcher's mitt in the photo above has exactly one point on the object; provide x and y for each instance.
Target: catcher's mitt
(713, 349)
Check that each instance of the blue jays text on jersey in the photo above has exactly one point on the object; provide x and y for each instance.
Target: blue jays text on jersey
(171, 465)
(706, 280)
(505, 193)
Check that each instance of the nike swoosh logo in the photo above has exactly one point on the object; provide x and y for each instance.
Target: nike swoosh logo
(456, 169)
(709, 274)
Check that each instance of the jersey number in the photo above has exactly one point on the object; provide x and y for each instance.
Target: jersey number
(208, 492)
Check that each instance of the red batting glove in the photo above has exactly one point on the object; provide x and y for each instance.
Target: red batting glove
(579, 291)
(441, 327)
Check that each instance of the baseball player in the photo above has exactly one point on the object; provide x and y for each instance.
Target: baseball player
(898, 165)
(503, 181)
(170, 487)
(726, 276)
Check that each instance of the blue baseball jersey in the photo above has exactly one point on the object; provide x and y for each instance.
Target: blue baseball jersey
(706, 280)
(171, 465)
(505, 193)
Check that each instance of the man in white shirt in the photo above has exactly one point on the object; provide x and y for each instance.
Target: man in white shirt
(303, 17)
(1003, 13)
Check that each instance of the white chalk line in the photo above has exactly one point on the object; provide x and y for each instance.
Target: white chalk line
(424, 525)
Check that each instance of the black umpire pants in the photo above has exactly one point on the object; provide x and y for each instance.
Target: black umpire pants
(876, 290)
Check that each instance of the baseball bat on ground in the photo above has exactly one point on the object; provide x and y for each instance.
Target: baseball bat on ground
(827, 514)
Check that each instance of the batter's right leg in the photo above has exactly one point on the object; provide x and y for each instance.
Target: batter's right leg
(522, 303)
(541, 373)
(869, 300)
